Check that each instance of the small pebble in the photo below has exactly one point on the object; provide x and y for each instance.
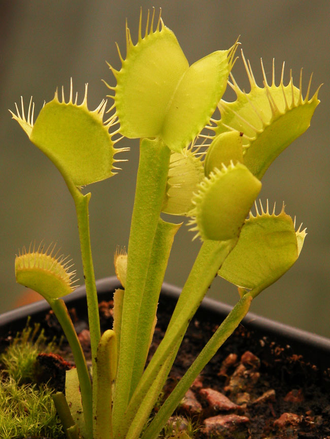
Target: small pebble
(85, 339)
(243, 398)
(106, 310)
(243, 379)
(198, 383)
(267, 396)
(295, 396)
(224, 423)
(249, 359)
(190, 403)
(228, 362)
(287, 420)
(217, 401)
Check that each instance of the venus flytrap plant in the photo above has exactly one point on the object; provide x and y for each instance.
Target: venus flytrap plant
(157, 95)
(161, 100)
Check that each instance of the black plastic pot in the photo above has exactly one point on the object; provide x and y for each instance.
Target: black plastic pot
(314, 348)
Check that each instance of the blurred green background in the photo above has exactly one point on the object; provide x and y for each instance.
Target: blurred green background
(44, 43)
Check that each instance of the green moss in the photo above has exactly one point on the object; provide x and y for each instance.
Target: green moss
(26, 409)
(19, 359)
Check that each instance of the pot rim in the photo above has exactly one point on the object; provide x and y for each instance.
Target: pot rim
(302, 342)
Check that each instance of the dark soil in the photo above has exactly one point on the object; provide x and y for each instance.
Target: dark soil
(253, 388)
